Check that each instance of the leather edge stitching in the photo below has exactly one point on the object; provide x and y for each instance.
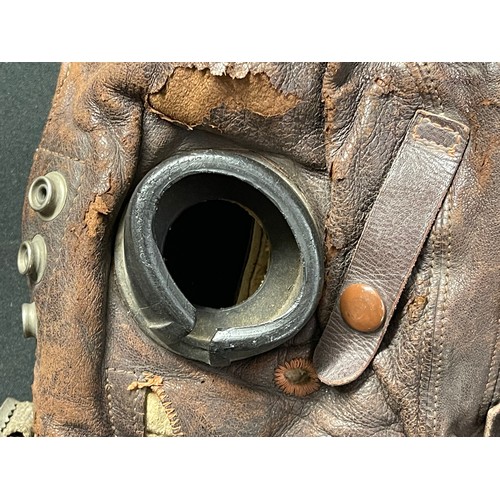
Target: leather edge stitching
(444, 303)
(427, 337)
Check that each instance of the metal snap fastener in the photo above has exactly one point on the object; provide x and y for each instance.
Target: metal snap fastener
(362, 308)
(30, 320)
(47, 195)
(32, 258)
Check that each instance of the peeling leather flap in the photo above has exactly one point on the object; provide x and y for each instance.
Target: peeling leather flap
(190, 95)
(393, 236)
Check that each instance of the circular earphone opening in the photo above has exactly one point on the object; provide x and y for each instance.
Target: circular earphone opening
(217, 252)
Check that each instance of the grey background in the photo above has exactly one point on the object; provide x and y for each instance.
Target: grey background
(26, 91)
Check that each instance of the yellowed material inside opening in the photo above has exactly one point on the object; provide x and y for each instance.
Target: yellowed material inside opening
(257, 264)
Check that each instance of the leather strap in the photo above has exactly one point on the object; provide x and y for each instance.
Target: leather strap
(392, 239)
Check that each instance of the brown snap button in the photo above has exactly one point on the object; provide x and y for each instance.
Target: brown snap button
(362, 308)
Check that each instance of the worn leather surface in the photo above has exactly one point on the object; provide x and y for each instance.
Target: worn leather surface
(437, 369)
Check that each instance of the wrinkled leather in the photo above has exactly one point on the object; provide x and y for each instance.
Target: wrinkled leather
(437, 370)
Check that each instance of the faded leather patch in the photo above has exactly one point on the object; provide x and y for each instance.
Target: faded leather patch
(190, 95)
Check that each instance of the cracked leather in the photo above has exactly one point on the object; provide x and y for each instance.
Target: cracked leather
(436, 372)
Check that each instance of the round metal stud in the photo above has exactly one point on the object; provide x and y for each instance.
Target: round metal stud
(32, 258)
(47, 195)
(362, 308)
(30, 320)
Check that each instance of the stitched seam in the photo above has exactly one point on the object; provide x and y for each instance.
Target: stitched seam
(410, 67)
(419, 138)
(108, 388)
(444, 310)
(495, 399)
(418, 78)
(136, 429)
(491, 380)
(117, 370)
(436, 124)
(170, 412)
(427, 324)
(136, 399)
(59, 155)
(437, 144)
(432, 86)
